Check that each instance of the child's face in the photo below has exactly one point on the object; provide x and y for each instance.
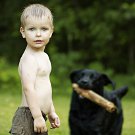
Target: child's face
(37, 31)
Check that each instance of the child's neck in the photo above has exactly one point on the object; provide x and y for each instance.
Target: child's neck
(34, 49)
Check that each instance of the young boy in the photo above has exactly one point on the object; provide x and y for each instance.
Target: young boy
(34, 70)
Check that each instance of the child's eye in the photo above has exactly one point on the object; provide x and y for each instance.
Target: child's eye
(31, 29)
(44, 28)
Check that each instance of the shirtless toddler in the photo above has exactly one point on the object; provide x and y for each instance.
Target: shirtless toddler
(34, 70)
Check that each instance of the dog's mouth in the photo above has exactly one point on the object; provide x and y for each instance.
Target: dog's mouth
(93, 87)
(94, 97)
(85, 87)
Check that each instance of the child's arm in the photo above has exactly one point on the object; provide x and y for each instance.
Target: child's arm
(53, 118)
(28, 69)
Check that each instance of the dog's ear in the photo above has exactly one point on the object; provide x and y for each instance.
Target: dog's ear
(106, 80)
(74, 76)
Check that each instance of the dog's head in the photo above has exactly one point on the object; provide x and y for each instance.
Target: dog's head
(90, 79)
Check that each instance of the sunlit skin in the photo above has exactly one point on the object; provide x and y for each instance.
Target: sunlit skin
(34, 69)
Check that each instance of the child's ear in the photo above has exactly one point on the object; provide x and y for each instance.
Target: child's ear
(51, 34)
(22, 32)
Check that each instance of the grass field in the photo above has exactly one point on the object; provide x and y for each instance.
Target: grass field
(9, 103)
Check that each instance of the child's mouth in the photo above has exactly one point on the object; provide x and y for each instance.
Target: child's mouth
(38, 41)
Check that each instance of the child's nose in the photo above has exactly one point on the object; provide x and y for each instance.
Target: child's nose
(38, 33)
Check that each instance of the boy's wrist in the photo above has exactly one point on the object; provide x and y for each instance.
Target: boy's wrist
(36, 113)
(52, 112)
(38, 116)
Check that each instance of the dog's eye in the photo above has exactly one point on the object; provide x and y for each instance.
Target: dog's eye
(92, 76)
(80, 75)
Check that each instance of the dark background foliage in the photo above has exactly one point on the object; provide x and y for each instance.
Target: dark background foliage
(97, 30)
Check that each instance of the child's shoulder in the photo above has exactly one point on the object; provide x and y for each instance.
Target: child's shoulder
(46, 55)
(27, 58)
(27, 63)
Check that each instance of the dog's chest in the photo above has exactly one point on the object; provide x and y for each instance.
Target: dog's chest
(87, 105)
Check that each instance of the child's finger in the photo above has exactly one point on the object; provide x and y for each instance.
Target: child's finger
(57, 122)
(35, 129)
(44, 129)
(52, 126)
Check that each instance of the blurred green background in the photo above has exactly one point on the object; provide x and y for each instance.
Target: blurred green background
(88, 34)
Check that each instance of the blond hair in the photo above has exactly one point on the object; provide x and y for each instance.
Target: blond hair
(37, 11)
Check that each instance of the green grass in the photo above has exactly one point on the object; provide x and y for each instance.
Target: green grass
(9, 103)
(129, 117)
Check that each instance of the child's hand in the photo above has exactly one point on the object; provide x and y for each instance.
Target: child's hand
(54, 120)
(40, 125)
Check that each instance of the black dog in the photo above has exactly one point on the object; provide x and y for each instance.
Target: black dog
(88, 118)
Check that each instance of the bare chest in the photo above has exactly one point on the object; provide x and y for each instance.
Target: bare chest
(44, 65)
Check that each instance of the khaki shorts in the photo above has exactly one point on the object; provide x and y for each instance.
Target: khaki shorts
(23, 123)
